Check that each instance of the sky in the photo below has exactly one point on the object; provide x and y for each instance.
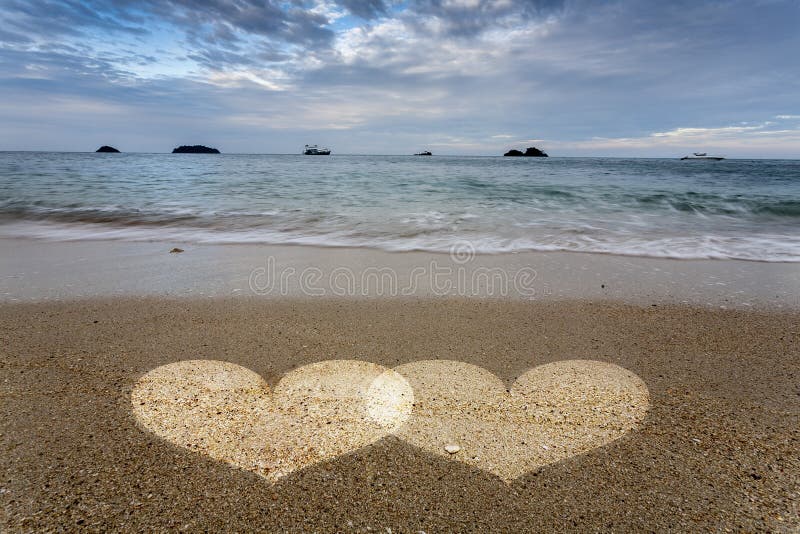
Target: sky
(473, 77)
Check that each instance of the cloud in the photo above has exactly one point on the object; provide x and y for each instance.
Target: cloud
(743, 141)
(467, 18)
(12, 37)
(694, 133)
(210, 22)
(366, 9)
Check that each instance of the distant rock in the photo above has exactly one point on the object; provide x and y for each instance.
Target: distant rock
(106, 148)
(533, 152)
(530, 152)
(194, 149)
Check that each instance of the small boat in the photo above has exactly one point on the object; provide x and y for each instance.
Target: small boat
(424, 153)
(314, 150)
(703, 155)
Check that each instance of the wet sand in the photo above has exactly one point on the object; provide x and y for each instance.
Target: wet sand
(45, 270)
(718, 447)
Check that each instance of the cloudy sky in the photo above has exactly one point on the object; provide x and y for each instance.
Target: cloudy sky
(575, 77)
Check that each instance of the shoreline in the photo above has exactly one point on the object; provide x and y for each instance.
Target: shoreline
(378, 248)
(33, 269)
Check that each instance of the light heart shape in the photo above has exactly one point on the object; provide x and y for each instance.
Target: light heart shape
(552, 412)
(330, 408)
(315, 413)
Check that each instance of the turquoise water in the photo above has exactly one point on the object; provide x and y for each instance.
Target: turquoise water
(647, 207)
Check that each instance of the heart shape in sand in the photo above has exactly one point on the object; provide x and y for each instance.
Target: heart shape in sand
(552, 412)
(328, 409)
(315, 413)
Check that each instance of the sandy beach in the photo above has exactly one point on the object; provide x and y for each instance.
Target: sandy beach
(713, 447)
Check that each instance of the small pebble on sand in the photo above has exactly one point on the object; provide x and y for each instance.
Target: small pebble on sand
(452, 448)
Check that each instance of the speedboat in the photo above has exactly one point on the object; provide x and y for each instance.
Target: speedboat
(314, 150)
(703, 155)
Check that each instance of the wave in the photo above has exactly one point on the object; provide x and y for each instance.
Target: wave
(733, 205)
(740, 207)
(763, 248)
(117, 215)
(786, 208)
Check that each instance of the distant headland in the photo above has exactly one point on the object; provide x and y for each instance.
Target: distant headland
(106, 148)
(530, 152)
(194, 149)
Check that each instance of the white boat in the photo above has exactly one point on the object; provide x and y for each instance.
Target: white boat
(703, 155)
(314, 150)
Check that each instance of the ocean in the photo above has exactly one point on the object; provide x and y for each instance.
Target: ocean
(739, 209)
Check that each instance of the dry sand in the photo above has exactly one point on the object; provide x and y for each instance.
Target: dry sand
(717, 449)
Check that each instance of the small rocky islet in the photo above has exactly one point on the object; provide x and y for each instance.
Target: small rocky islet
(107, 149)
(530, 152)
(194, 149)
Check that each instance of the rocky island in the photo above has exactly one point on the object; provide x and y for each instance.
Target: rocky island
(194, 149)
(106, 148)
(530, 152)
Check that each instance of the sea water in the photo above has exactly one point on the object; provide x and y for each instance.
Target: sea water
(743, 209)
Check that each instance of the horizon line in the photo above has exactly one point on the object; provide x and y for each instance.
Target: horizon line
(385, 155)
